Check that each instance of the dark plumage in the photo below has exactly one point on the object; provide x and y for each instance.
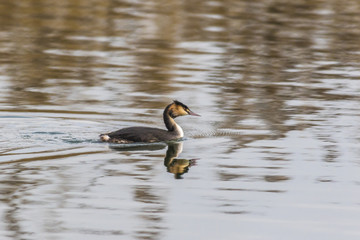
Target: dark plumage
(147, 134)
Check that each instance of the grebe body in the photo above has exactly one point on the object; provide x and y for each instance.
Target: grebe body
(148, 134)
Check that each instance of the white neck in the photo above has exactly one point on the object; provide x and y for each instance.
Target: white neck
(179, 130)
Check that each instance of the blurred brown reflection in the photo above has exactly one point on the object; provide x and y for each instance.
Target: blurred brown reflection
(15, 188)
(8, 190)
(176, 166)
(276, 178)
(151, 212)
(271, 61)
(52, 48)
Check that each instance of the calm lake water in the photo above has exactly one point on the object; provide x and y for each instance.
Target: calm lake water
(274, 155)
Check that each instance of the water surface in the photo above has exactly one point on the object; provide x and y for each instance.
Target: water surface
(275, 154)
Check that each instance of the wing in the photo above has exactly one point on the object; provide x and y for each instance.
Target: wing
(139, 134)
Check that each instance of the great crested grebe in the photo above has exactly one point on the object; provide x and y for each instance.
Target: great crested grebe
(147, 134)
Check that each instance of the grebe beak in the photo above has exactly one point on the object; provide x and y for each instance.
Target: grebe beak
(193, 114)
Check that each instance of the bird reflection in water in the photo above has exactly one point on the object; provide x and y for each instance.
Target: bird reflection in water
(173, 165)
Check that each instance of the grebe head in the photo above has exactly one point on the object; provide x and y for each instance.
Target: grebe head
(177, 109)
